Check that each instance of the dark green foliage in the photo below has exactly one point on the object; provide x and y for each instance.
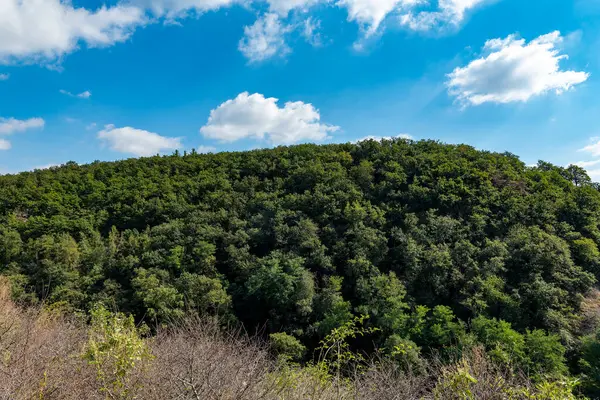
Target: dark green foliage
(545, 354)
(504, 344)
(441, 245)
(590, 362)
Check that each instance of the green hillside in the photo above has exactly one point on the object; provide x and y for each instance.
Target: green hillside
(443, 247)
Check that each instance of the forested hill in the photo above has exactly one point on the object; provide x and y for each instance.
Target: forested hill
(440, 245)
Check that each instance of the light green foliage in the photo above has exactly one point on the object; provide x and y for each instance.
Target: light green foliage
(406, 353)
(550, 390)
(286, 346)
(312, 381)
(442, 328)
(11, 246)
(545, 353)
(456, 385)
(382, 297)
(205, 295)
(334, 349)
(116, 349)
(504, 344)
(163, 301)
(540, 354)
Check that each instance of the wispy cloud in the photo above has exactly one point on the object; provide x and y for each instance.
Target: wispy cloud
(83, 95)
(380, 138)
(206, 149)
(5, 144)
(8, 126)
(265, 39)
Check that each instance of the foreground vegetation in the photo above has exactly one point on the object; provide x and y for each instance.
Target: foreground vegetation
(47, 355)
(423, 251)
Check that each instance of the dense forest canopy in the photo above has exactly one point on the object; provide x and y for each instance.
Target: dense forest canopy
(442, 246)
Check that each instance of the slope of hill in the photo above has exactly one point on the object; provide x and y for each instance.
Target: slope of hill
(442, 246)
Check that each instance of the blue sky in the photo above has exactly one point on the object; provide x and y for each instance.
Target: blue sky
(92, 80)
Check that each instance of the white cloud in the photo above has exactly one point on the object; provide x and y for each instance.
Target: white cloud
(283, 7)
(380, 138)
(137, 141)
(593, 148)
(9, 126)
(173, 9)
(449, 12)
(256, 117)
(4, 77)
(91, 126)
(585, 164)
(513, 70)
(594, 174)
(45, 30)
(265, 39)
(206, 149)
(371, 13)
(311, 32)
(83, 95)
(47, 166)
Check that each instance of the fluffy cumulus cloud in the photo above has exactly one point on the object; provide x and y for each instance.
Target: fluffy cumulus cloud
(83, 95)
(4, 77)
(513, 70)
(265, 39)
(254, 116)
(45, 30)
(138, 142)
(8, 126)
